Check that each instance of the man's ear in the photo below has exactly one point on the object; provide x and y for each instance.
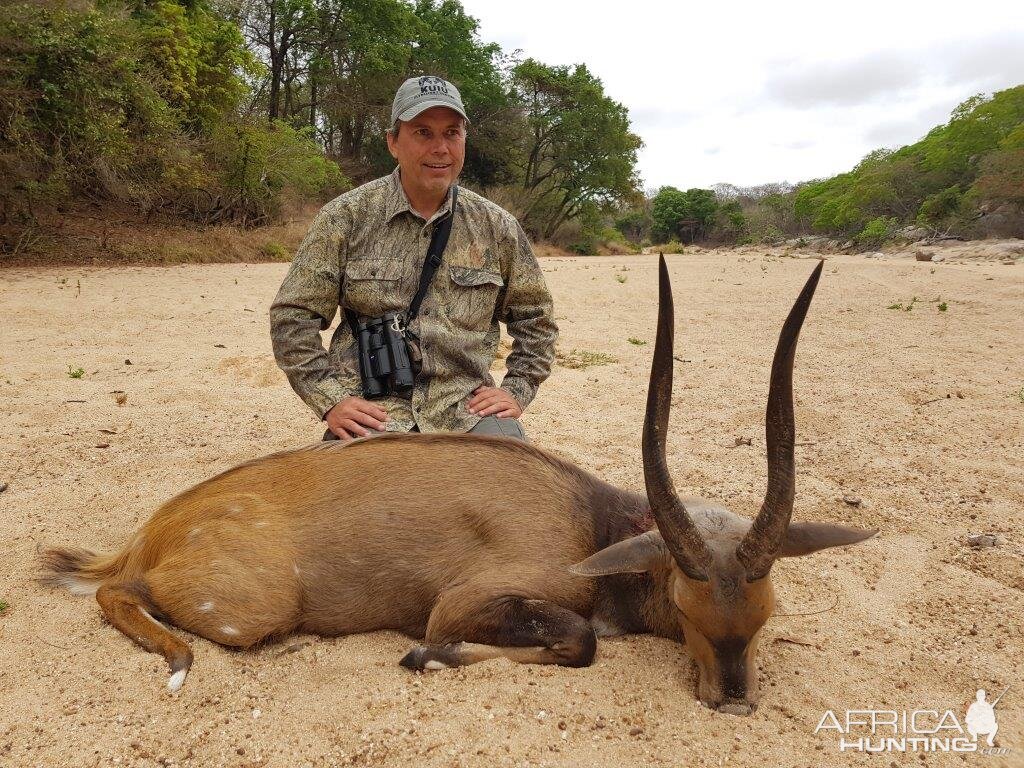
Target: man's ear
(805, 538)
(635, 555)
(391, 142)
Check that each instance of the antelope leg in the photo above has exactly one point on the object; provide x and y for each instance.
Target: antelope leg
(516, 628)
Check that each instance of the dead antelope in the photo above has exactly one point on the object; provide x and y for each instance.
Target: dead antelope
(484, 547)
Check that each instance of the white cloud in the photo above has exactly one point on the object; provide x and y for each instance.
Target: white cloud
(751, 93)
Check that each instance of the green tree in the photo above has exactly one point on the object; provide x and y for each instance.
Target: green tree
(578, 148)
(688, 216)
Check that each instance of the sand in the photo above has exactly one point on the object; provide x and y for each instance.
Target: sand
(916, 413)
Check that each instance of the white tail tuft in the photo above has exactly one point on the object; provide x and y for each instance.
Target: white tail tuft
(176, 680)
(77, 585)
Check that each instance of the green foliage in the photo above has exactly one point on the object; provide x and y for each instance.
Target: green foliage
(939, 182)
(579, 151)
(274, 250)
(259, 163)
(636, 342)
(685, 215)
(76, 373)
(877, 231)
(620, 278)
(942, 306)
(940, 206)
(635, 224)
(4, 607)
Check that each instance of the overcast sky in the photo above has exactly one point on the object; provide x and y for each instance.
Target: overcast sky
(750, 93)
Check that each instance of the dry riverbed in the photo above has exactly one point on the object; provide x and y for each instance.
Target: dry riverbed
(119, 387)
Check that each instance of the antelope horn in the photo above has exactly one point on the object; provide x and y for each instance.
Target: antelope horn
(677, 528)
(763, 541)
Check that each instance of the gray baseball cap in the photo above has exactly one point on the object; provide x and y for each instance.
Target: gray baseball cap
(419, 93)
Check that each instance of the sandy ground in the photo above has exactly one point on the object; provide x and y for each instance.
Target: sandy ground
(918, 413)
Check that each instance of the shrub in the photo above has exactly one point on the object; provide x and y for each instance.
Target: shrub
(877, 231)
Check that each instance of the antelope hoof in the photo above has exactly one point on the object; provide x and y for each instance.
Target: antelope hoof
(426, 657)
(738, 708)
(176, 680)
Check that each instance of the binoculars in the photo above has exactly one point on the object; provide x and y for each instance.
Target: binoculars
(384, 356)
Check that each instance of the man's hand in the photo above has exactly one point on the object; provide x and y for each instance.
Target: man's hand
(350, 418)
(488, 401)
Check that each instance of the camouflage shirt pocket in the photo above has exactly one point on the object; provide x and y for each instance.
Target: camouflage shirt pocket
(373, 286)
(473, 297)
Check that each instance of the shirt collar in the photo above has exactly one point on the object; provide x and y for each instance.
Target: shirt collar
(399, 203)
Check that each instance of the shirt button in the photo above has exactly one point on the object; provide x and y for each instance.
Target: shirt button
(373, 272)
(426, 312)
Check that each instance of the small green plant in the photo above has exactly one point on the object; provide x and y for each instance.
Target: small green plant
(274, 250)
(581, 358)
(895, 306)
(4, 605)
(1019, 394)
(76, 373)
(621, 278)
(635, 341)
(943, 306)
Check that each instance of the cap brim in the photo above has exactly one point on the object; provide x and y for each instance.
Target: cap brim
(411, 112)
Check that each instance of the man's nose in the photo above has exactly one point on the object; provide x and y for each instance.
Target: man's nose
(439, 146)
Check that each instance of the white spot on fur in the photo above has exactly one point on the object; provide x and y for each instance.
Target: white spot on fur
(229, 631)
(207, 606)
(146, 613)
(260, 523)
(177, 679)
(194, 532)
(234, 509)
(78, 586)
(295, 567)
(434, 664)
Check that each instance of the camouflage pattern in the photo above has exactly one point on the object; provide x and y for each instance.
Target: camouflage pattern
(366, 248)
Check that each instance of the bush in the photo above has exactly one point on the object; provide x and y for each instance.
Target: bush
(877, 231)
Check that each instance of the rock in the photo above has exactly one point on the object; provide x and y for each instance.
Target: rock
(924, 256)
(937, 257)
(636, 730)
(913, 233)
(874, 255)
(984, 540)
(852, 500)
(3, 487)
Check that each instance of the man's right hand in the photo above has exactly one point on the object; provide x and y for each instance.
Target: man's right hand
(350, 418)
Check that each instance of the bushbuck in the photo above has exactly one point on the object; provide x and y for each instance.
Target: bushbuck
(483, 547)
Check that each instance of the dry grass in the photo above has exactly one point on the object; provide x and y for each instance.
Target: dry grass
(125, 237)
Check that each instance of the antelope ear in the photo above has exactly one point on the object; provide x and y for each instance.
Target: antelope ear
(805, 538)
(635, 555)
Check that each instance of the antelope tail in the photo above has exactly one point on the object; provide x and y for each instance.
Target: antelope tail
(80, 570)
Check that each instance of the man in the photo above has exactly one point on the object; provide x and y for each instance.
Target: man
(366, 249)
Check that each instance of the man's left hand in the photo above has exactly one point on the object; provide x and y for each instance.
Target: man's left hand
(494, 401)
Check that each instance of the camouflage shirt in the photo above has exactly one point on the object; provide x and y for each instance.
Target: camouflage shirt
(366, 248)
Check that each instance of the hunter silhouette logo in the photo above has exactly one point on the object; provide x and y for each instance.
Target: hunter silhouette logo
(430, 84)
(917, 730)
(981, 717)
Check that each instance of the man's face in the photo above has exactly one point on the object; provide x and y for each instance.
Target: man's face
(430, 150)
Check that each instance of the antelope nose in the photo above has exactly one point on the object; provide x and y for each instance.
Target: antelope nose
(736, 707)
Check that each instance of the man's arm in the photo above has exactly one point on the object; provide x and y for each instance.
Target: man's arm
(305, 305)
(528, 314)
